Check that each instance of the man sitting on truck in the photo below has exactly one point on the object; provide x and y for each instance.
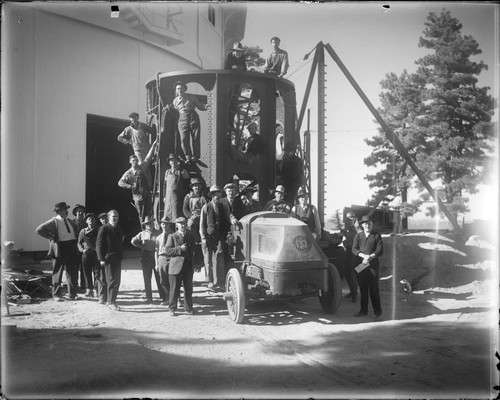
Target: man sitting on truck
(308, 214)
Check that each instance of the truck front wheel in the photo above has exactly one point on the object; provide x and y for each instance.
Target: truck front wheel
(330, 301)
(235, 296)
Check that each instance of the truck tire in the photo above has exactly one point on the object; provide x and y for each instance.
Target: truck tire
(330, 301)
(235, 296)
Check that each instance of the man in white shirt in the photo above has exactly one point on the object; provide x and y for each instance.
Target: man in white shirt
(62, 234)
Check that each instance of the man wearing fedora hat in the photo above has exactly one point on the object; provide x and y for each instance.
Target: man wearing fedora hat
(180, 247)
(86, 245)
(368, 247)
(162, 259)
(236, 59)
(189, 121)
(138, 180)
(277, 61)
(62, 234)
(278, 204)
(176, 187)
(212, 238)
(137, 136)
(307, 213)
(146, 241)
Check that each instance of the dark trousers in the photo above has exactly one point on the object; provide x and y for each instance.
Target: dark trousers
(368, 287)
(213, 254)
(349, 272)
(189, 129)
(113, 274)
(184, 277)
(148, 269)
(89, 265)
(100, 277)
(164, 278)
(67, 261)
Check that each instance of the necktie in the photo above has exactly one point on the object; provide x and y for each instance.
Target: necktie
(67, 225)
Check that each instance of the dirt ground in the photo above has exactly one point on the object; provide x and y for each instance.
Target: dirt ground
(440, 344)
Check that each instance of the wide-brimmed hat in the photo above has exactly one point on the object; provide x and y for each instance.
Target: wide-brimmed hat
(102, 215)
(301, 193)
(237, 46)
(366, 218)
(61, 206)
(89, 215)
(196, 181)
(279, 189)
(214, 189)
(230, 185)
(147, 221)
(180, 83)
(165, 220)
(172, 156)
(77, 207)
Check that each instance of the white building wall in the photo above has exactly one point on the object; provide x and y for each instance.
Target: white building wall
(55, 71)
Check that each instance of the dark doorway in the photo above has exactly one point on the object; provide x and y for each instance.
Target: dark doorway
(107, 160)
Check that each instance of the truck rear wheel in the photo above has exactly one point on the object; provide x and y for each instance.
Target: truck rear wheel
(330, 301)
(235, 296)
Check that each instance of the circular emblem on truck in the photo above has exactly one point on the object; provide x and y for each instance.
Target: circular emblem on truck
(301, 244)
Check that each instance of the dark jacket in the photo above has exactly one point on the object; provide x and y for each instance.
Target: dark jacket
(180, 259)
(368, 245)
(109, 244)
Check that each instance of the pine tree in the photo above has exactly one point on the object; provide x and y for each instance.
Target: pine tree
(440, 115)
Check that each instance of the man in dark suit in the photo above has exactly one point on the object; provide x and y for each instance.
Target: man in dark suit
(180, 246)
(368, 247)
(62, 234)
(212, 238)
(233, 210)
(109, 249)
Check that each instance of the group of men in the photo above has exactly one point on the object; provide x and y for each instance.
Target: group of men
(276, 62)
(191, 223)
(97, 248)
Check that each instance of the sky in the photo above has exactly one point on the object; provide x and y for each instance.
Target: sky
(371, 41)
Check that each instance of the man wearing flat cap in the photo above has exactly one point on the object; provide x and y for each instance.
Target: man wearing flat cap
(87, 246)
(189, 121)
(79, 213)
(137, 136)
(236, 59)
(193, 203)
(368, 247)
(146, 241)
(180, 247)
(212, 238)
(62, 234)
(109, 248)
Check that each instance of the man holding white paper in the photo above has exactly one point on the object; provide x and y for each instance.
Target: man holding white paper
(368, 247)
